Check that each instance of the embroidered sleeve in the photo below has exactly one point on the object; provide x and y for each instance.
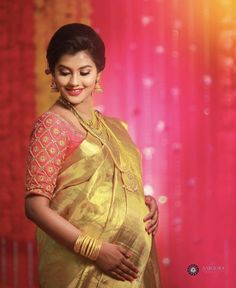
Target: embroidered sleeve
(46, 152)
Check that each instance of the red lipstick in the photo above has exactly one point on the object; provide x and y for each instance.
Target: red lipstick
(74, 92)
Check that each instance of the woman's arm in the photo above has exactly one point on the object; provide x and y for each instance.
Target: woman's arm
(47, 150)
(37, 210)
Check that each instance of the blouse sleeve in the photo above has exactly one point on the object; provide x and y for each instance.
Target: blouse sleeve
(46, 152)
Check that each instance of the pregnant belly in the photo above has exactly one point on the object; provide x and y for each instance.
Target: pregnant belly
(132, 234)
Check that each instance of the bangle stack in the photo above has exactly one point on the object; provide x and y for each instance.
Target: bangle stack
(87, 246)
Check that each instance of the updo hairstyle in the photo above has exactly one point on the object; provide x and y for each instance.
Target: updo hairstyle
(72, 38)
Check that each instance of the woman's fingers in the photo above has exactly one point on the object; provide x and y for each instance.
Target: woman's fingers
(153, 229)
(127, 270)
(125, 252)
(125, 261)
(153, 220)
(124, 275)
(124, 270)
(129, 265)
(153, 209)
(152, 223)
(149, 215)
(117, 276)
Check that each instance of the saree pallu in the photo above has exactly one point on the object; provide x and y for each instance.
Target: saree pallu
(99, 190)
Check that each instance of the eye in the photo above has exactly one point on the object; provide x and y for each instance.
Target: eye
(64, 73)
(84, 73)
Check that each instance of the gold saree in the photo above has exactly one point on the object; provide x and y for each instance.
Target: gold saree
(99, 190)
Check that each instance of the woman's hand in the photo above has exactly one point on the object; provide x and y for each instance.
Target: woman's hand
(153, 216)
(114, 260)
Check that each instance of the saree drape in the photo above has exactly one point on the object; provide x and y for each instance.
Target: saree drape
(99, 190)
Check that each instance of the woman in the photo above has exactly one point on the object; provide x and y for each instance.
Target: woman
(83, 185)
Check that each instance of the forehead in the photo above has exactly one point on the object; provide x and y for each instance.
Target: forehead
(74, 61)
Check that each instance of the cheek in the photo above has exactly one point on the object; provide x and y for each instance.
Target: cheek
(61, 81)
(89, 82)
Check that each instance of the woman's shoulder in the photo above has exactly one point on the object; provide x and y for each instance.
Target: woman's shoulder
(46, 119)
(50, 120)
(47, 129)
(52, 131)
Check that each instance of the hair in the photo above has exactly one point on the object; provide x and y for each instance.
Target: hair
(72, 38)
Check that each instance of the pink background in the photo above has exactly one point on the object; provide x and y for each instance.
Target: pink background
(171, 74)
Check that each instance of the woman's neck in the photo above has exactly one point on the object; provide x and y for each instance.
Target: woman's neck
(85, 108)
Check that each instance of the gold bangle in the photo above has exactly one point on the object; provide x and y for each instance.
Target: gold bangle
(90, 248)
(77, 245)
(84, 245)
(78, 242)
(87, 246)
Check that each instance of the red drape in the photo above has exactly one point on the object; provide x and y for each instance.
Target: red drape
(17, 111)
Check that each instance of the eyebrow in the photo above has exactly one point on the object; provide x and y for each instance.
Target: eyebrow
(82, 67)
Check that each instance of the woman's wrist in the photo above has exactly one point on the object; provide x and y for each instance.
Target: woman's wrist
(87, 246)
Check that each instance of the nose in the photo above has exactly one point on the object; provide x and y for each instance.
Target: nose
(75, 80)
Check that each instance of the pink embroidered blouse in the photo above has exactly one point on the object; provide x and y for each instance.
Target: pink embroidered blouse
(53, 138)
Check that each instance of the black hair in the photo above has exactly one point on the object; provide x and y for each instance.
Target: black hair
(72, 38)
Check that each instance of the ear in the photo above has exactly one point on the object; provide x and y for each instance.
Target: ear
(99, 76)
(47, 71)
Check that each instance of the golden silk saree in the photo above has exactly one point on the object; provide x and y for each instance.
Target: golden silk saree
(99, 190)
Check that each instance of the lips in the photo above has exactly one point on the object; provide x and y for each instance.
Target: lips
(74, 92)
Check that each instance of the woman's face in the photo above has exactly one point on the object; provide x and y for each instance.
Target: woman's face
(76, 76)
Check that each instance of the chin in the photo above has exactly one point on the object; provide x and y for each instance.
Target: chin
(74, 99)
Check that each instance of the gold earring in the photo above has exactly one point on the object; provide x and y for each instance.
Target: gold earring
(54, 86)
(98, 87)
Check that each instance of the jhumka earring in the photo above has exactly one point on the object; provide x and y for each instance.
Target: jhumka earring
(54, 86)
(98, 87)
